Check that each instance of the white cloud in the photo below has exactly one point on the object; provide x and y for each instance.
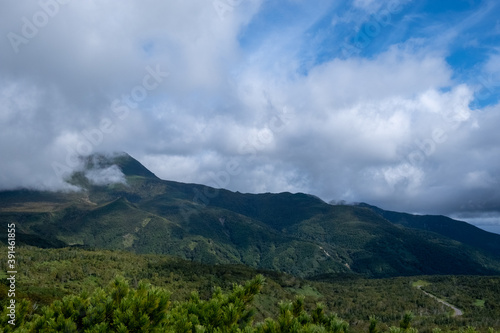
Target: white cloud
(479, 179)
(105, 176)
(393, 129)
(368, 5)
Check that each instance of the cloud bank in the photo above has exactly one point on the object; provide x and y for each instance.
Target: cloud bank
(355, 101)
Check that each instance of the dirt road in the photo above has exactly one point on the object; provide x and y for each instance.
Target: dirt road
(456, 311)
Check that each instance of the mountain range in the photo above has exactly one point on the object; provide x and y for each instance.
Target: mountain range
(121, 205)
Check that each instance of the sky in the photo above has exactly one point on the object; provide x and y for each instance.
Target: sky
(394, 103)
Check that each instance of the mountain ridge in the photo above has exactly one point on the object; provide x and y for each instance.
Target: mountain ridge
(294, 233)
(443, 225)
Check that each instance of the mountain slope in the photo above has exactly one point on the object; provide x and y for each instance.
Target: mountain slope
(458, 230)
(294, 233)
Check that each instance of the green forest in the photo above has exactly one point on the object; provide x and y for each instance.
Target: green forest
(77, 290)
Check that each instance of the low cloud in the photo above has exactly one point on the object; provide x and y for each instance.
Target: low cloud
(105, 176)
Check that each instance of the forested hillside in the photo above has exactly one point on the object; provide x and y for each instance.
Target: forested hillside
(294, 233)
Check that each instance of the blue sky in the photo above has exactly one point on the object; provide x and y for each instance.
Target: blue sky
(394, 103)
(465, 32)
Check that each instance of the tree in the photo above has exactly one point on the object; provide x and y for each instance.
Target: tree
(406, 321)
(115, 309)
(373, 325)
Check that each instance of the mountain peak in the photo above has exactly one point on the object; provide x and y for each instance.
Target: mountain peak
(127, 164)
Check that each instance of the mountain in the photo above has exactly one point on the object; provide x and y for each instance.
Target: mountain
(443, 225)
(294, 233)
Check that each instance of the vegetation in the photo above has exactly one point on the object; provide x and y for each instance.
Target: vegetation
(120, 308)
(472, 294)
(49, 275)
(458, 230)
(161, 256)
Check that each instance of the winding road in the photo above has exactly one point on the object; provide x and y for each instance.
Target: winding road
(456, 311)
